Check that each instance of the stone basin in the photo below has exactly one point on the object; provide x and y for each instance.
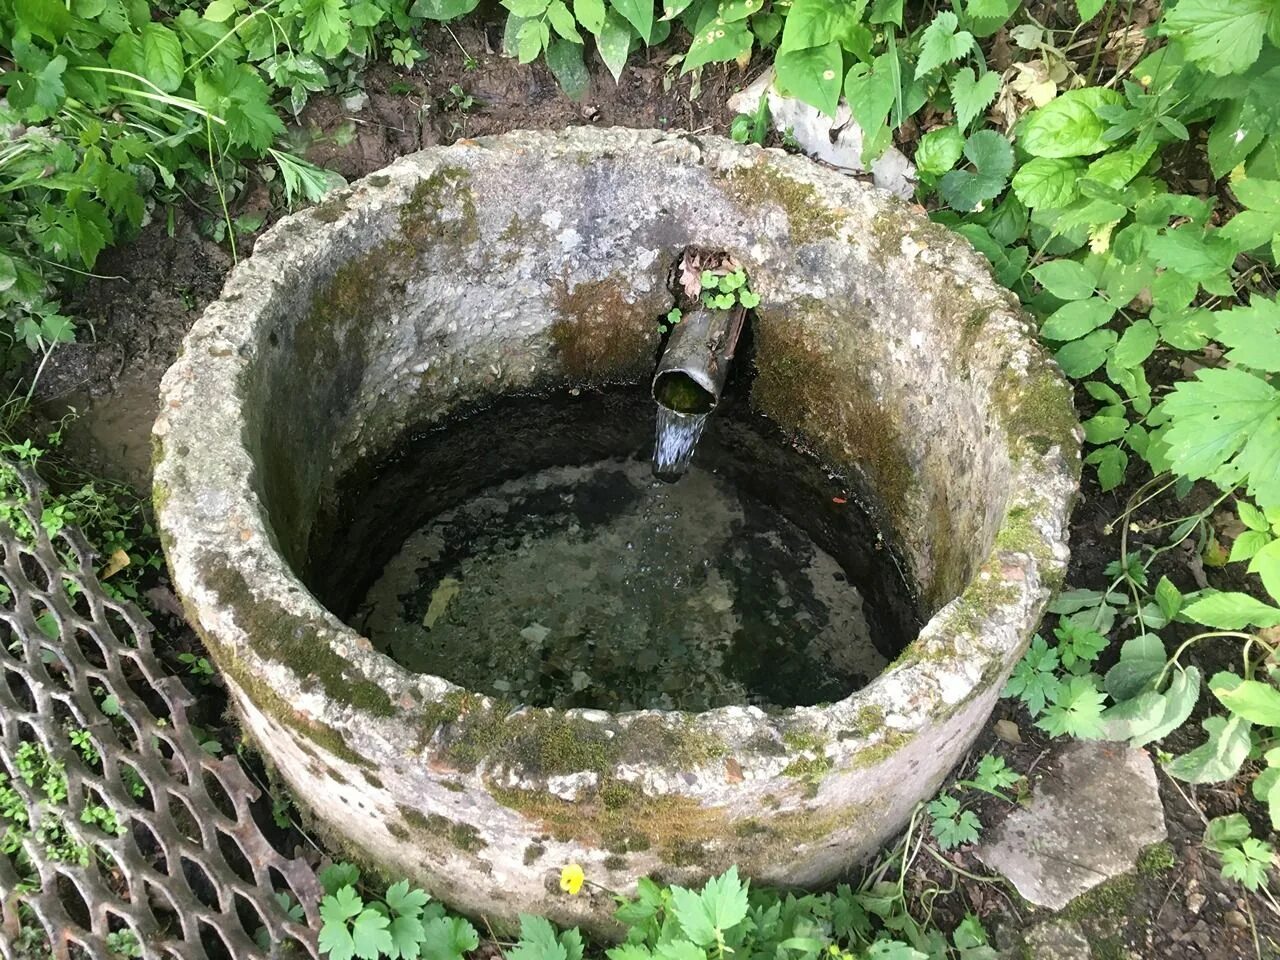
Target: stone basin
(536, 262)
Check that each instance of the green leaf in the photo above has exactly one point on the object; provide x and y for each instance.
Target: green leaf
(162, 56)
(1152, 716)
(338, 875)
(813, 74)
(1219, 757)
(1248, 863)
(406, 937)
(992, 157)
(1034, 680)
(1076, 711)
(941, 43)
(1074, 320)
(720, 907)
(1079, 358)
(1266, 788)
(590, 13)
(533, 36)
(733, 10)
(1168, 597)
(1141, 660)
(1221, 36)
(1252, 333)
(1265, 562)
(1117, 167)
(1226, 424)
(953, 827)
(1048, 181)
(1252, 517)
(614, 43)
(1254, 700)
(1111, 462)
(221, 10)
(639, 13)
(971, 95)
(870, 90)
(1223, 833)
(1248, 544)
(563, 23)
(815, 23)
(406, 902)
(1088, 9)
(1068, 126)
(717, 42)
(537, 941)
(1102, 429)
(371, 936)
(442, 9)
(1192, 253)
(449, 938)
(939, 150)
(1231, 611)
(565, 60)
(1136, 344)
(1067, 280)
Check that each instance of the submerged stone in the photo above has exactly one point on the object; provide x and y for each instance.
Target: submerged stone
(463, 278)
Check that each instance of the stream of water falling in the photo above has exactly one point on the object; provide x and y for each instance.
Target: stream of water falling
(675, 438)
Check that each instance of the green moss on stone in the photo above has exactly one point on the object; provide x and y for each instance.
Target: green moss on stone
(1037, 410)
(533, 853)
(303, 646)
(1155, 860)
(810, 218)
(607, 331)
(1111, 899)
(461, 836)
(615, 861)
(424, 218)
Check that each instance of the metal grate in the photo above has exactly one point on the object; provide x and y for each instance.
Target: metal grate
(186, 869)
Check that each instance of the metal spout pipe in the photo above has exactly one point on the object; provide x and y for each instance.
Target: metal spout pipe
(692, 370)
(688, 382)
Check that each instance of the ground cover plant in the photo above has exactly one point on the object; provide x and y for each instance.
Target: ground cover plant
(1115, 160)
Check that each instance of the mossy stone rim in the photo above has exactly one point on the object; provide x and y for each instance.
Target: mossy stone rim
(825, 252)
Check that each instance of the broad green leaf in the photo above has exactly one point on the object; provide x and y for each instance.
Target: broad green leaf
(1079, 358)
(1152, 716)
(442, 9)
(733, 10)
(370, 934)
(1068, 126)
(590, 13)
(532, 40)
(1225, 832)
(1266, 787)
(1221, 36)
(614, 43)
(1225, 424)
(813, 74)
(679, 950)
(939, 150)
(1136, 343)
(1117, 167)
(886, 11)
(1168, 597)
(1102, 429)
(992, 158)
(563, 23)
(639, 13)
(1088, 9)
(1266, 564)
(1247, 544)
(941, 43)
(720, 907)
(815, 23)
(1252, 517)
(1197, 256)
(1048, 181)
(1252, 333)
(1111, 462)
(1076, 711)
(716, 42)
(1067, 280)
(1073, 320)
(1141, 661)
(1231, 611)
(971, 95)
(1219, 757)
(564, 58)
(221, 10)
(162, 56)
(1254, 700)
(537, 941)
(1236, 133)
(404, 901)
(870, 91)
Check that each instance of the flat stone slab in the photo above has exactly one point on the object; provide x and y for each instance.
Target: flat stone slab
(1055, 940)
(1087, 821)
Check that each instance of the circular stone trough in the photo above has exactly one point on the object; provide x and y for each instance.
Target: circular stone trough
(538, 262)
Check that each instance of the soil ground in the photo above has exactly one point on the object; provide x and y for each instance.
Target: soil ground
(153, 289)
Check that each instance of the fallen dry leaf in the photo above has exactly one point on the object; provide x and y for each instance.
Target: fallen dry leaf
(1007, 731)
(118, 561)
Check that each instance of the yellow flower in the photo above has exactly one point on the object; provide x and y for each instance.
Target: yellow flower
(571, 878)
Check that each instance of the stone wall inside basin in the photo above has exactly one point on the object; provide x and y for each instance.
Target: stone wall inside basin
(539, 261)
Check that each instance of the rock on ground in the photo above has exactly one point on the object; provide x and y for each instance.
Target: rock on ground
(1087, 822)
(1055, 940)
